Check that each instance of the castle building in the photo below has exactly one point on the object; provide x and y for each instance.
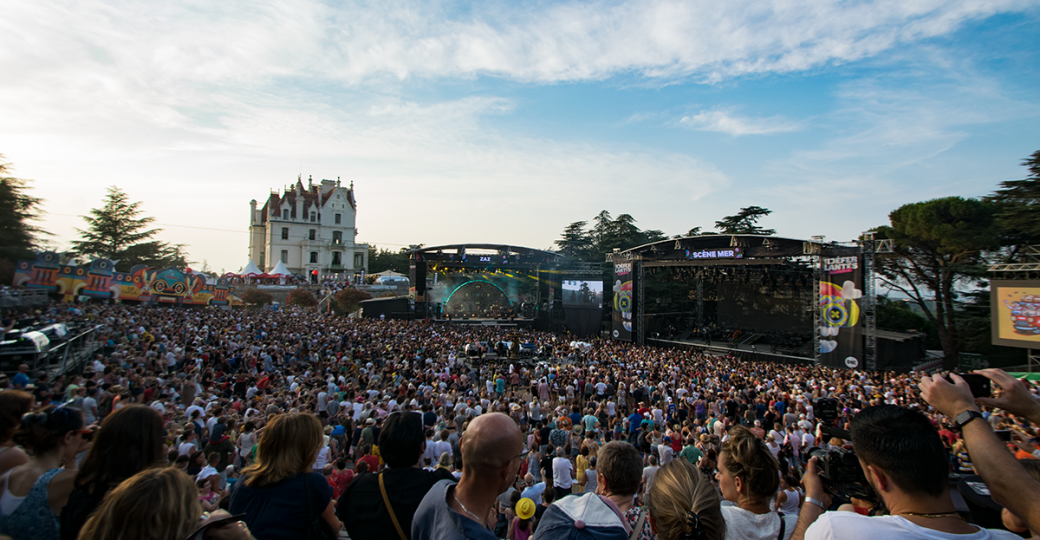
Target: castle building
(307, 228)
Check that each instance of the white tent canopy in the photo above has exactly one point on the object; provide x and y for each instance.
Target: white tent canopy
(250, 269)
(280, 270)
(388, 273)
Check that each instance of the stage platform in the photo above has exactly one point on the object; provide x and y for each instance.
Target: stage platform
(514, 323)
(747, 352)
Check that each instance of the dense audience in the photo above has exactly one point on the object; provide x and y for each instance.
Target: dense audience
(308, 425)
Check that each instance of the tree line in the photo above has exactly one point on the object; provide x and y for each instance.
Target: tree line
(584, 243)
(118, 231)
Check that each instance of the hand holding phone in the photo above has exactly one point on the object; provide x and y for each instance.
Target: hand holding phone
(980, 385)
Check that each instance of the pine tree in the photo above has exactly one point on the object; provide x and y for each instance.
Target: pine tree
(18, 210)
(118, 231)
(745, 222)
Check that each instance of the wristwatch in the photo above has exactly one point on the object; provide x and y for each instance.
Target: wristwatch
(965, 417)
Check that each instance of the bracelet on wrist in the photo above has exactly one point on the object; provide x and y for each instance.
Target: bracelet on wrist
(817, 502)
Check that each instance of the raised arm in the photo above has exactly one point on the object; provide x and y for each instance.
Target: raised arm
(1007, 480)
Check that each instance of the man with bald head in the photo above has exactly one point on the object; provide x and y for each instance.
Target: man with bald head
(491, 452)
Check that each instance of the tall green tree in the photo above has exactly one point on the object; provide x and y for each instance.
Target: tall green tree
(18, 211)
(939, 245)
(381, 259)
(745, 222)
(1018, 207)
(575, 242)
(606, 234)
(119, 231)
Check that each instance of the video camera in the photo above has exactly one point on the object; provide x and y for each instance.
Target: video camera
(841, 473)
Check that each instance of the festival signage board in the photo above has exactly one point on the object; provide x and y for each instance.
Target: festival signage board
(841, 315)
(622, 317)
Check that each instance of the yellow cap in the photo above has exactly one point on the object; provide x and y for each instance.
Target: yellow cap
(525, 508)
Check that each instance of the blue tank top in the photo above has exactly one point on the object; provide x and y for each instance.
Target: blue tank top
(33, 519)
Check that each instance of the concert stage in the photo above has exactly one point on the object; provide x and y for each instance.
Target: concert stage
(495, 282)
(746, 293)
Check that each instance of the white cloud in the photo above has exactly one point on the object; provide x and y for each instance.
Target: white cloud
(354, 41)
(721, 121)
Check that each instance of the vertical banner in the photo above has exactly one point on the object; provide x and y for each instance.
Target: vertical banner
(841, 319)
(624, 303)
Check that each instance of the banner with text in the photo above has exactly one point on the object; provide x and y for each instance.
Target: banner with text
(624, 303)
(841, 318)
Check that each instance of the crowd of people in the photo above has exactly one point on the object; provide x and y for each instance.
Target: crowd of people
(230, 424)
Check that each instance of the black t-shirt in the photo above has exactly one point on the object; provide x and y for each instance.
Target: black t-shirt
(547, 471)
(280, 510)
(363, 512)
(544, 434)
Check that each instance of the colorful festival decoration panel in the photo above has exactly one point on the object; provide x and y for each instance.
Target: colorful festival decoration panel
(142, 283)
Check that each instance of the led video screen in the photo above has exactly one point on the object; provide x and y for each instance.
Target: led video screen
(581, 293)
(1016, 313)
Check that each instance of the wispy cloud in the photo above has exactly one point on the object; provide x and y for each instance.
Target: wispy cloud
(358, 41)
(722, 121)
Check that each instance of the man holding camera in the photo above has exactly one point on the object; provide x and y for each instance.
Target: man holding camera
(905, 463)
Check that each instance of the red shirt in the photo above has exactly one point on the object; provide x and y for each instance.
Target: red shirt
(373, 463)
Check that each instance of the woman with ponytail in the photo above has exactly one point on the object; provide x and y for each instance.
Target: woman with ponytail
(749, 475)
(684, 505)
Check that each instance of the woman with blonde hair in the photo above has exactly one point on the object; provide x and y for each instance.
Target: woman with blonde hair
(280, 494)
(167, 496)
(749, 475)
(684, 505)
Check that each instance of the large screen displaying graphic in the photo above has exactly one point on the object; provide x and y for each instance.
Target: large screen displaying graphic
(621, 318)
(1016, 313)
(581, 293)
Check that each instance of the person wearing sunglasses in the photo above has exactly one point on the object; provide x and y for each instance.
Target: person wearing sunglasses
(32, 495)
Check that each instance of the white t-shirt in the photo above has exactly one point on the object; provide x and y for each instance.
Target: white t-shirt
(648, 477)
(852, 526)
(89, 408)
(744, 525)
(666, 453)
(562, 473)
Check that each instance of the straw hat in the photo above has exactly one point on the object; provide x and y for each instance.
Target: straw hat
(525, 508)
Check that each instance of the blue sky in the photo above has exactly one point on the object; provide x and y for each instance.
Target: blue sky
(505, 121)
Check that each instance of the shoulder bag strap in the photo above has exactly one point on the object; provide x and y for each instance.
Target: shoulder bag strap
(390, 509)
(783, 526)
(638, 529)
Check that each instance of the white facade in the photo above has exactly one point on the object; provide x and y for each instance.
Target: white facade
(308, 228)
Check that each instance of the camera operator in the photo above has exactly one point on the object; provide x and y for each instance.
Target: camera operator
(1005, 477)
(904, 461)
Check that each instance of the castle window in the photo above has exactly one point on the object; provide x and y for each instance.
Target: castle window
(285, 233)
(314, 257)
(285, 256)
(312, 234)
(339, 219)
